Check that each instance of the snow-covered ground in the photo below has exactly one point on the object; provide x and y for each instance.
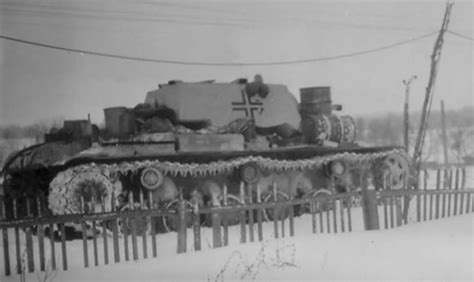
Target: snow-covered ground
(437, 250)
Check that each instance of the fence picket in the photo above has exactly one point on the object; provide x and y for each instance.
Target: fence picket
(443, 208)
(283, 216)
(391, 200)
(94, 243)
(17, 238)
(182, 216)
(132, 224)
(6, 249)
(291, 221)
(398, 209)
(468, 202)
(461, 204)
(104, 233)
(406, 207)
(115, 240)
(328, 218)
(275, 213)
(385, 211)
(242, 215)
(225, 230)
(52, 244)
(84, 236)
(63, 245)
(259, 224)
(259, 215)
(251, 217)
(84, 244)
(312, 209)
(153, 236)
(133, 227)
(450, 176)
(225, 219)
(472, 202)
(197, 227)
(349, 216)
(29, 240)
(438, 187)
(341, 209)
(418, 207)
(320, 212)
(425, 186)
(463, 179)
(94, 236)
(275, 220)
(125, 233)
(40, 232)
(114, 226)
(152, 224)
(216, 230)
(334, 213)
(145, 221)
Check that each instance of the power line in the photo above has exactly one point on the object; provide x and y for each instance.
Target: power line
(226, 17)
(222, 64)
(460, 35)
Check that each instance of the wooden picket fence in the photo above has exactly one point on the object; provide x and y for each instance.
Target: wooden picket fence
(448, 198)
(121, 226)
(122, 239)
(329, 214)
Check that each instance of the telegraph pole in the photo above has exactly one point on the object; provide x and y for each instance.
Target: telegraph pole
(443, 131)
(435, 58)
(406, 117)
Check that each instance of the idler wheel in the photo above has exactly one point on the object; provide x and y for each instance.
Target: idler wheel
(91, 185)
(393, 171)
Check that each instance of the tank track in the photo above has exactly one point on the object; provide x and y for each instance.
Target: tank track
(62, 198)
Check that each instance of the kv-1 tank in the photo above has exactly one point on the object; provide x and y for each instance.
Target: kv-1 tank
(195, 140)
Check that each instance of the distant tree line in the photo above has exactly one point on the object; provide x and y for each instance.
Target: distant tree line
(15, 137)
(381, 129)
(387, 129)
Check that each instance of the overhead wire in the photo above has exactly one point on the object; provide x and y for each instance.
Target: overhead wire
(457, 34)
(105, 17)
(222, 64)
(225, 17)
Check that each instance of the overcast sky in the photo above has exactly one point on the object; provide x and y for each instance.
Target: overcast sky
(42, 84)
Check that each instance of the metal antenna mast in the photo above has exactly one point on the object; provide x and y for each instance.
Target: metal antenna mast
(406, 117)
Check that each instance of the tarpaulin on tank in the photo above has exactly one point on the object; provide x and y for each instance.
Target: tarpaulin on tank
(222, 103)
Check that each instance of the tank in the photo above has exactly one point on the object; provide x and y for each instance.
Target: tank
(198, 141)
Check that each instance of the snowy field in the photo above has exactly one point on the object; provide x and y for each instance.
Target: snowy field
(436, 250)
